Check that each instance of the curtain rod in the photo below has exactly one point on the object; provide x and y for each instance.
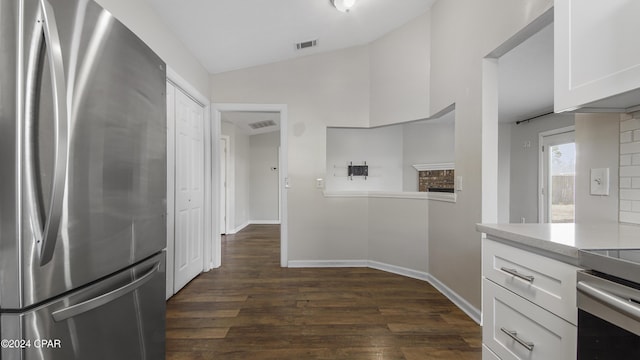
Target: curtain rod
(535, 117)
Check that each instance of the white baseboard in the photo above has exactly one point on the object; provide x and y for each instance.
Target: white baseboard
(264, 222)
(253, 222)
(238, 228)
(456, 299)
(399, 270)
(459, 301)
(327, 263)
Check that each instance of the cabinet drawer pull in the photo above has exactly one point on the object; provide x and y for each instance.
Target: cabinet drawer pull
(515, 273)
(514, 336)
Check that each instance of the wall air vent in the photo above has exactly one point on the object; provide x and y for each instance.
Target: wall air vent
(262, 124)
(306, 44)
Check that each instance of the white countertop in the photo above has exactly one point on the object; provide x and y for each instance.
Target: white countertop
(564, 240)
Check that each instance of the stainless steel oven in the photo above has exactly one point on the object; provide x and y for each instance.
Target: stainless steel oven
(608, 296)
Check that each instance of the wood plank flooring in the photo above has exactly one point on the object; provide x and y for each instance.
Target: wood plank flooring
(251, 308)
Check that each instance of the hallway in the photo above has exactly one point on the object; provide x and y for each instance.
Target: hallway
(251, 308)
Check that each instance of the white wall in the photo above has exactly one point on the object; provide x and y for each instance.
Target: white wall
(597, 146)
(241, 157)
(145, 22)
(399, 233)
(381, 148)
(263, 183)
(333, 90)
(314, 89)
(425, 142)
(504, 172)
(399, 63)
(597, 138)
(390, 151)
(524, 164)
(463, 32)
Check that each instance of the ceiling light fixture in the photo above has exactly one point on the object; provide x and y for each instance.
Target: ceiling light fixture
(343, 5)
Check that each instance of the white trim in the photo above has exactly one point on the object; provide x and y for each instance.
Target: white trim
(437, 196)
(283, 165)
(327, 263)
(238, 228)
(227, 159)
(435, 166)
(445, 197)
(170, 249)
(490, 142)
(399, 270)
(191, 91)
(180, 83)
(473, 312)
(264, 222)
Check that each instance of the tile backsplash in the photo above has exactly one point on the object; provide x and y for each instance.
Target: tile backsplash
(630, 169)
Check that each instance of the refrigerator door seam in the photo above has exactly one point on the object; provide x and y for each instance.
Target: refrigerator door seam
(71, 311)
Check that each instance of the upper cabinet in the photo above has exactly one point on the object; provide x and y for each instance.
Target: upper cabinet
(597, 57)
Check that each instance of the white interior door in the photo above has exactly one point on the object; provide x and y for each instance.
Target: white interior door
(189, 212)
(223, 185)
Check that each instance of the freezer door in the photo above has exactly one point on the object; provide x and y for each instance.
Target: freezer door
(121, 317)
(92, 159)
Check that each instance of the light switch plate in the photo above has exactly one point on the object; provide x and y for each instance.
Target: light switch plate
(600, 181)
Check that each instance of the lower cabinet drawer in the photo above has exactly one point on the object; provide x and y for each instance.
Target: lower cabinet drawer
(515, 328)
(539, 279)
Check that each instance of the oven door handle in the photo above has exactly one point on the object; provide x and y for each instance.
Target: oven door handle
(614, 301)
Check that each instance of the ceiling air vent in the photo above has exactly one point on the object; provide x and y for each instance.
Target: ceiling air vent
(306, 44)
(262, 124)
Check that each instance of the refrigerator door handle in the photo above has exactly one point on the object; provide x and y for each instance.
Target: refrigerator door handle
(59, 92)
(74, 310)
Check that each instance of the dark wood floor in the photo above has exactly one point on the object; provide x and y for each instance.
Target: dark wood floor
(251, 308)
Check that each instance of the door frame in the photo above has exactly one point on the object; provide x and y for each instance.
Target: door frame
(490, 107)
(227, 141)
(216, 114)
(178, 81)
(543, 200)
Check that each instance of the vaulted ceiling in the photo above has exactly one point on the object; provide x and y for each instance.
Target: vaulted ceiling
(226, 35)
(233, 34)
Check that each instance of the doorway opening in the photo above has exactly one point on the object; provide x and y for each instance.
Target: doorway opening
(517, 104)
(250, 189)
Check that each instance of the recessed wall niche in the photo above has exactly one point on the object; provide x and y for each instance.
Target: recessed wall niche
(436, 181)
(390, 153)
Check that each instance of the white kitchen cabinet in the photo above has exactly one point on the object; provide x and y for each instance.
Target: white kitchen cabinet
(596, 54)
(515, 328)
(547, 282)
(527, 299)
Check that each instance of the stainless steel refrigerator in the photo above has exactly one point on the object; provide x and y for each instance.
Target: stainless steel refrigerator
(82, 185)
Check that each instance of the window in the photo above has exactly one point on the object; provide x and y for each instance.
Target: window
(557, 176)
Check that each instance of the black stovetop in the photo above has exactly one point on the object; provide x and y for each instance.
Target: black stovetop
(621, 263)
